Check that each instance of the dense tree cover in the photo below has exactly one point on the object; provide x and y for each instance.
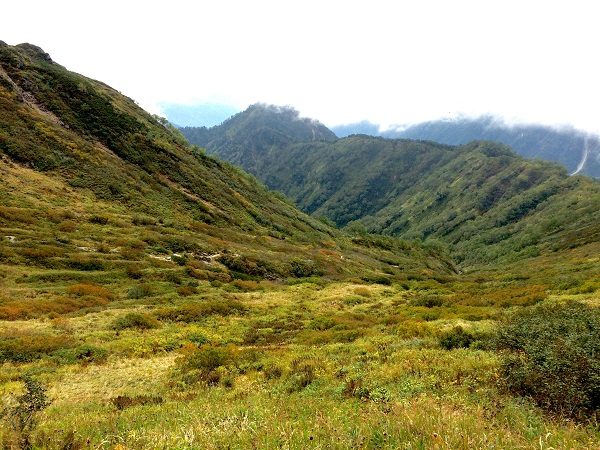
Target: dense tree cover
(481, 198)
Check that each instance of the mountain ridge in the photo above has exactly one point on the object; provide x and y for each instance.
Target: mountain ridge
(566, 146)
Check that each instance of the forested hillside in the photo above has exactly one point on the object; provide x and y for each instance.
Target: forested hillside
(481, 199)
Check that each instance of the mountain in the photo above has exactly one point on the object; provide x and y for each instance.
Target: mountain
(482, 199)
(579, 152)
(91, 180)
(196, 115)
(244, 138)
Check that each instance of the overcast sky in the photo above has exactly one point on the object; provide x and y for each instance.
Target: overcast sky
(336, 61)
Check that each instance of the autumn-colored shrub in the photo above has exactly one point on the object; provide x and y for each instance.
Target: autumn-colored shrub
(140, 321)
(21, 346)
(94, 290)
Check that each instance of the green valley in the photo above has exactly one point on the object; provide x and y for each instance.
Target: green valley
(154, 296)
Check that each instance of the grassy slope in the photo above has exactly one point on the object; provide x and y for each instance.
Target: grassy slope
(93, 228)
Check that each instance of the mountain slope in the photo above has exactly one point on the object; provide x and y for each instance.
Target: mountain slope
(575, 150)
(86, 170)
(482, 199)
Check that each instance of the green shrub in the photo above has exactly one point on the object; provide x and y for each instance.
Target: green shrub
(457, 337)
(204, 364)
(428, 301)
(186, 291)
(139, 321)
(192, 312)
(377, 279)
(302, 373)
(552, 355)
(87, 354)
(98, 220)
(134, 272)
(125, 401)
(22, 417)
(139, 291)
(301, 268)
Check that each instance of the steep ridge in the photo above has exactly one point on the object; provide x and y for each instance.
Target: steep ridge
(482, 199)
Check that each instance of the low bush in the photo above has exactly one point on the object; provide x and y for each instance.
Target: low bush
(186, 291)
(22, 416)
(552, 355)
(204, 364)
(193, 312)
(98, 220)
(85, 263)
(24, 347)
(377, 279)
(134, 272)
(122, 402)
(139, 321)
(457, 337)
(428, 301)
(139, 291)
(301, 268)
(25, 309)
(89, 289)
(303, 372)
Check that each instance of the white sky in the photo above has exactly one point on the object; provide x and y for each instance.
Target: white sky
(336, 61)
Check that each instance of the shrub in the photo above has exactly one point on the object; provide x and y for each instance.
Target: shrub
(124, 401)
(22, 416)
(87, 354)
(301, 268)
(143, 220)
(24, 347)
(98, 220)
(242, 265)
(362, 291)
(68, 226)
(272, 372)
(139, 321)
(202, 364)
(186, 291)
(192, 312)
(246, 285)
(302, 373)
(139, 291)
(457, 337)
(85, 263)
(134, 272)
(172, 277)
(377, 279)
(428, 301)
(552, 355)
(93, 290)
(24, 309)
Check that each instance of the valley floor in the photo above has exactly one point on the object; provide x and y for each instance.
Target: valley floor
(309, 365)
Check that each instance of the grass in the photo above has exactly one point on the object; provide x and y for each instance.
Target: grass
(392, 386)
